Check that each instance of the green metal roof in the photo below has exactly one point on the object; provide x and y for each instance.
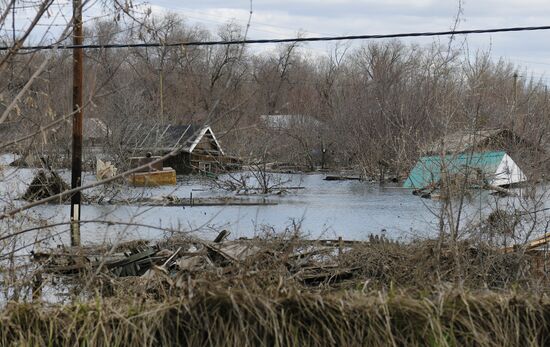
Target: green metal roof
(428, 169)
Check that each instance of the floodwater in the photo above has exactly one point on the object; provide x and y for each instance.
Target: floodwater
(322, 209)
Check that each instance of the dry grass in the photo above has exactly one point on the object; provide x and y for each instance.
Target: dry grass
(233, 317)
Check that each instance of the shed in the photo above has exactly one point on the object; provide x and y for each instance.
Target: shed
(494, 168)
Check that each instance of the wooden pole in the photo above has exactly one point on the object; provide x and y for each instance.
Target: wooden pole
(515, 89)
(161, 87)
(76, 173)
(515, 102)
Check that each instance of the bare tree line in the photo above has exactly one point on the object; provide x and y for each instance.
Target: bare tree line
(375, 107)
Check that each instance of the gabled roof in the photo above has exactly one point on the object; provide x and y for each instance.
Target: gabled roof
(429, 169)
(464, 141)
(197, 138)
(169, 136)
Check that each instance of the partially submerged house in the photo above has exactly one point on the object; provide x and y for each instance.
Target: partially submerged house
(484, 168)
(489, 157)
(531, 157)
(152, 173)
(196, 148)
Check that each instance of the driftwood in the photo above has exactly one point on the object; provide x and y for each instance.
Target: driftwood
(275, 188)
(79, 259)
(326, 275)
(135, 264)
(221, 236)
(531, 246)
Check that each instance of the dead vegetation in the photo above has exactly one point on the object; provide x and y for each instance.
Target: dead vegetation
(227, 316)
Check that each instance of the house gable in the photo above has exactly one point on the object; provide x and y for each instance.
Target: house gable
(508, 172)
(206, 141)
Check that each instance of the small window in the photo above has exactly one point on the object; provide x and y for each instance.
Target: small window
(205, 167)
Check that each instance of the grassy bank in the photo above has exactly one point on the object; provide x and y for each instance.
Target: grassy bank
(237, 318)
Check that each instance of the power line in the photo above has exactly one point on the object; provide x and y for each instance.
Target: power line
(297, 39)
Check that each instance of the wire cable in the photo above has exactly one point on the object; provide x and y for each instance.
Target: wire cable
(287, 40)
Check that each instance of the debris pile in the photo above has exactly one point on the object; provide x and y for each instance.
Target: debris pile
(301, 261)
(181, 263)
(45, 185)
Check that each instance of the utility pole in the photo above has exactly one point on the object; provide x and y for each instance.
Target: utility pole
(513, 109)
(515, 88)
(76, 173)
(161, 87)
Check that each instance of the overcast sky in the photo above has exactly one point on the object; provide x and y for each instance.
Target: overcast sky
(284, 18)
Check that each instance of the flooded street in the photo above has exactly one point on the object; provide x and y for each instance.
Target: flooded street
(350, 209)
(322, 209)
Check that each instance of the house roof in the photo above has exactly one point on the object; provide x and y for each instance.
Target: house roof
(428, 169)
(462, 141)
(94, 128)
(169, 136)
(285, 121)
